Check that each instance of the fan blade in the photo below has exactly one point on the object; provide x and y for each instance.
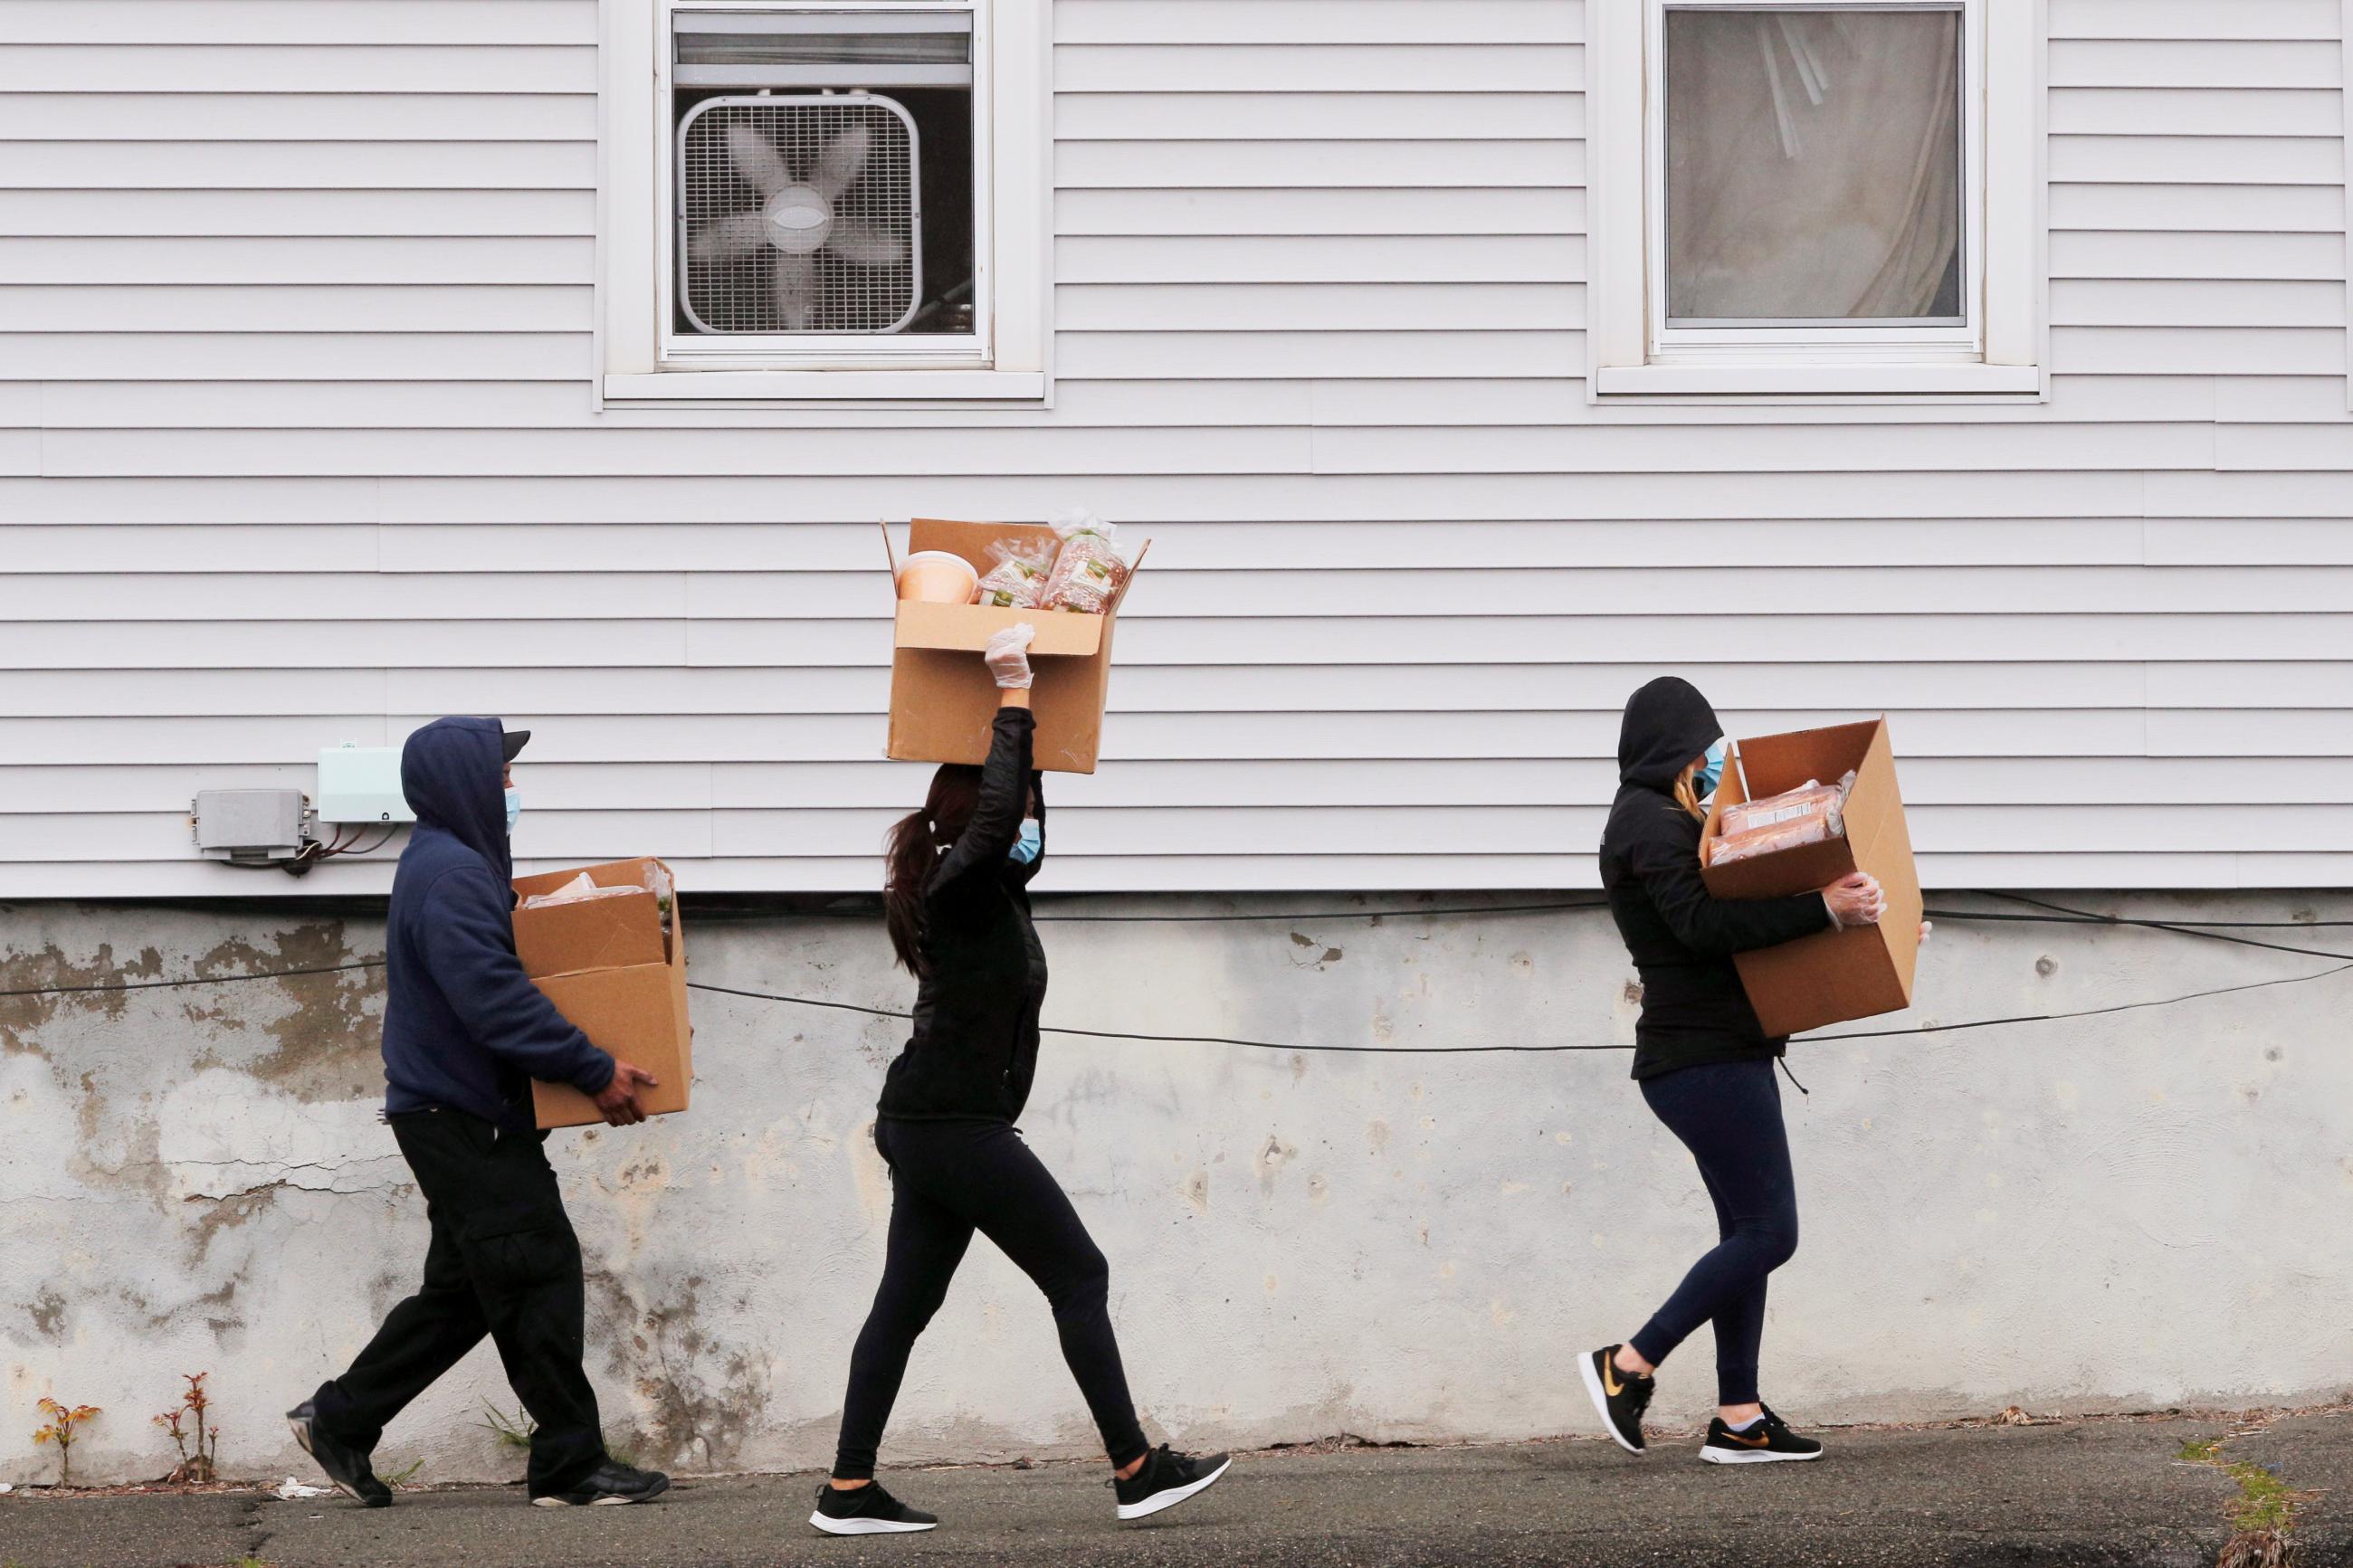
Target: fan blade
(838, 166)
(737, 234)
(868, 247)
(756, 161)
(796, 284)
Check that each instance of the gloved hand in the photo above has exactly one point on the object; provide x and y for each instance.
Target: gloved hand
(1855, 899)
(1007, 656)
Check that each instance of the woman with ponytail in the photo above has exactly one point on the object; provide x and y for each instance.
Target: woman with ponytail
(956, 904)
(1705, 1066)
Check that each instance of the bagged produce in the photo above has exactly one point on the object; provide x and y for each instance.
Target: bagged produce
(1089, 569)
(1810, 814)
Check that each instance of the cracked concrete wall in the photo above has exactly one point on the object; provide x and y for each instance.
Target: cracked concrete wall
(2138, 1210)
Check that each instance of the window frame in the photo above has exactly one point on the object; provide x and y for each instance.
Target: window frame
(1632, 351)
(639, 359)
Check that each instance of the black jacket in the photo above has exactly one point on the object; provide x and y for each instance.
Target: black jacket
(1681, 936)
(974, 1047)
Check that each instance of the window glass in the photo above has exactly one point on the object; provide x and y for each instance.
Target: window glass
(824, 174)
(1813, 166)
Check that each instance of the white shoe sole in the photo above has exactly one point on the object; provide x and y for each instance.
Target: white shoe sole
(1601, 1406)
(608, 1502)
(867, 1526)
(1753, 1456)
(1175, 1495)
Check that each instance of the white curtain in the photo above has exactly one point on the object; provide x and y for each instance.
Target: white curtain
(1813, 164)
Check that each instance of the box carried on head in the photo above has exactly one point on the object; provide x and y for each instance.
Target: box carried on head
(605, 945)
(1834, 977)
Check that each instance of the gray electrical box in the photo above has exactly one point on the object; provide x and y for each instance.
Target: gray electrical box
(251, 826)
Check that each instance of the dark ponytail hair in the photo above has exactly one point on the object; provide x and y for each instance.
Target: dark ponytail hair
(911, 849)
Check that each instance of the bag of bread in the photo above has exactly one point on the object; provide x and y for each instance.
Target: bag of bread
(1089, 569)
(1810, 814)
(1018, 580)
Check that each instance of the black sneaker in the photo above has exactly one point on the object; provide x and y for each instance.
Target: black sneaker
(1765, 1441)
(1620, 1396)
(867, 1511)
(609, 1484)
(345, 1465)
(1166, 1479)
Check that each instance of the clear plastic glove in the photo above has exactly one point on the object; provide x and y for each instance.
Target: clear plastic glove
(1007, 656)
(1855, 901)
(1928, 930)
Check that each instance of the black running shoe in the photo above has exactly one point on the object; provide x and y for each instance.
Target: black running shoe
(345, 1465)
(609, 1485)
(1765, 1441)
(867, 1511)
(1166, 1479)
(1620, 1396)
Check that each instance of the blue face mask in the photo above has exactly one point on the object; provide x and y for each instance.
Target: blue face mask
(514, 808)
(1711, 772)
(1030, 844)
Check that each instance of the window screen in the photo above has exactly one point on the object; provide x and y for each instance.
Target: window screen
(824, 164)
(1813, 166)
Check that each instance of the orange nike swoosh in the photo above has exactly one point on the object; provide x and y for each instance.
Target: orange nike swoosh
(1609, 1379)
(1758, 1441)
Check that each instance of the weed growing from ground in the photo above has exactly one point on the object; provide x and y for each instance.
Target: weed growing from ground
(63, 1421)
(197, 1465)
(2262, 1516)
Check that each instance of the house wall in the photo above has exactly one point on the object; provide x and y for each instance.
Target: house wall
(298, 447)
(2126, 1212)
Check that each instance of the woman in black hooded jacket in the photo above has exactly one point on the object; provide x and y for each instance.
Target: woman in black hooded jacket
(957, 905)
(1705, 1066)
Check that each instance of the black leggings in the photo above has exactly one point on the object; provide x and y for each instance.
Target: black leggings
(948, 1180)
(1728, 1114)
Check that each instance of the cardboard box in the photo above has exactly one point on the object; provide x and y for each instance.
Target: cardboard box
(1833, 977)
(605, 965)
(943, 701)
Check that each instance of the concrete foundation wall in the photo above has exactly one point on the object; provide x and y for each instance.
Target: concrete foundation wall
(2137, 1210)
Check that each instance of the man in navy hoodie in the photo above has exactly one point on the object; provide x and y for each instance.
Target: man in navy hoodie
(465, 1031)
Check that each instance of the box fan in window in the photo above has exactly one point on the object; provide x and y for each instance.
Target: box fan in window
(802, 139)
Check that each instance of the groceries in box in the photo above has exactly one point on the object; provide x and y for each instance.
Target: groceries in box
(1080, 569)
(1813, 813)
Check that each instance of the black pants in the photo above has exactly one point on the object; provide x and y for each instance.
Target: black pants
(504, 1261)
(1728, 1114)
(948, 1180)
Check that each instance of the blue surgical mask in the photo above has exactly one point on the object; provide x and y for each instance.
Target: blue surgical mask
(514, 808)
(1030, 844)
(1711, 772)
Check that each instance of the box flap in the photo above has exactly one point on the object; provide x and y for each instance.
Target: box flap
(616, 932)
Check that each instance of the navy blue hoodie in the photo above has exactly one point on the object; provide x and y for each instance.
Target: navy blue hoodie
(463, 1026)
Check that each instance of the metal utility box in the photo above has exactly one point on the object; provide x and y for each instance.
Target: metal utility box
(362, 784)
(251, 825)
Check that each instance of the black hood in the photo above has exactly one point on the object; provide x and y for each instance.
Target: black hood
(453, 771)
(1667, 724)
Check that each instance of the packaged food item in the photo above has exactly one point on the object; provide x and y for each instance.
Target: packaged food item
(936, 577)
(1089, 569)
(1019, 579)
(575, 890)
(1809, 814)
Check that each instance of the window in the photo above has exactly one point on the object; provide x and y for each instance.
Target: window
(824, 200)
(1831, 197)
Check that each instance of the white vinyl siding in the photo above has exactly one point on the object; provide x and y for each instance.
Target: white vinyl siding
(298, 445)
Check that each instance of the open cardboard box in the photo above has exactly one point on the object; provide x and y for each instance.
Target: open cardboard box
(608, 966)
(942, 699)
(1833, 977)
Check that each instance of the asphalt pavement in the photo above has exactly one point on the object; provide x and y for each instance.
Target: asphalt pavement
(2108, 1492)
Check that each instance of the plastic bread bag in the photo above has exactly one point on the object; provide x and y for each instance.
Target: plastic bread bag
(1019, 579)
(574, 892)
(1089, 569)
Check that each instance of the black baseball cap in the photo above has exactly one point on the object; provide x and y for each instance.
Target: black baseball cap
(516, 739)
